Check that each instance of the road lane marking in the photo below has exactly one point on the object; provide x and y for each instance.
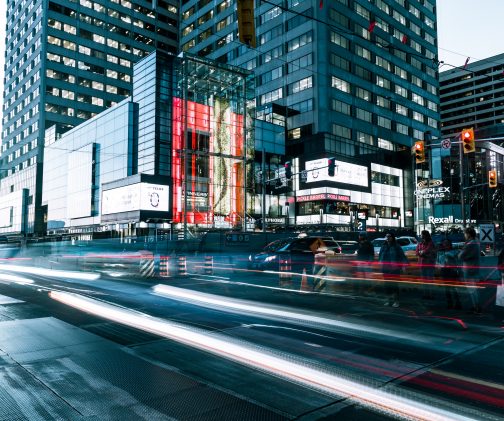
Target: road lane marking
(247, 354)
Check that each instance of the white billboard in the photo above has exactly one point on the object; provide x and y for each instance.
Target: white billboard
(80, 182)
(139, 196)
(344, 172)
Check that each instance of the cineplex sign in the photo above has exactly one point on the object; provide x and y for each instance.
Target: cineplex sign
(432, 190)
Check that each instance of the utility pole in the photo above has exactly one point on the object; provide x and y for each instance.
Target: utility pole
(263, 189)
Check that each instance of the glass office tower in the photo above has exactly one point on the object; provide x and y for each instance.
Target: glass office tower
(351, 79)
(65, 62)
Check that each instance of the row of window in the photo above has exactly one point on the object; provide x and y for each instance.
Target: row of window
(346, 132)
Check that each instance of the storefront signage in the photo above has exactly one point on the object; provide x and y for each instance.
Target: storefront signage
(274, 220)
(323, 196)
(432, 193)
(449, 220)
(139, 196)
(429, 183)
(344, 172)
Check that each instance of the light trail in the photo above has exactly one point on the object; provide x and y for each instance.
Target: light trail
(14, 278)
(82, 276)
(284, 314)
(394, 405)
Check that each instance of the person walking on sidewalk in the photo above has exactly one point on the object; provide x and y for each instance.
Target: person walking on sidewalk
(365, 258)
(470, 258)
(448, 272)
(393, 260)
(426, 253)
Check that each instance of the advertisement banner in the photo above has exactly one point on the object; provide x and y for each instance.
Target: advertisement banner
(139, 196)
(344, 172)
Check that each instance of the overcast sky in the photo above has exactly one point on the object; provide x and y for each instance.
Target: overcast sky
(466, 28)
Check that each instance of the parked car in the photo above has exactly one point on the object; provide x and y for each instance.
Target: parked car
(406, 243)
(348, 247)
(300, 251)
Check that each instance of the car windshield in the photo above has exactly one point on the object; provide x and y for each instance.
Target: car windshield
(349, 247)
(275, 245)
(378, 242)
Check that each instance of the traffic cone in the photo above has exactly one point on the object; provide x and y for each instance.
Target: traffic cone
(304, 282)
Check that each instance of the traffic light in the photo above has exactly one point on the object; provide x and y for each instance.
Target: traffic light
(468, 140)
(419, 151)
(492, 179)
(246, 26)
(331, 167)
(288, 170)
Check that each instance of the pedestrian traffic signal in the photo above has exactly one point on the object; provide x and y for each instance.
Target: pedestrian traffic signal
(419, 151)
(492, 179)
(246, 27)
(288, 170)
(468, 140)
(331, 167)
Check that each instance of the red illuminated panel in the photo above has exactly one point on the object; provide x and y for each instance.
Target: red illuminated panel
(199, 124)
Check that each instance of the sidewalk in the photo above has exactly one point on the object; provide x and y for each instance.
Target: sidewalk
(50, 370)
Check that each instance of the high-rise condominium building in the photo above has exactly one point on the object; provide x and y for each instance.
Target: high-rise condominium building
(354, 79)
(66, 61)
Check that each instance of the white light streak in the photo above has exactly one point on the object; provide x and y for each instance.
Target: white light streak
(220, 345)
(284, 314)
(83, 276)
(16, 279)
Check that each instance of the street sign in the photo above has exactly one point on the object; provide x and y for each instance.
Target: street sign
(487, 233)
(446, 144)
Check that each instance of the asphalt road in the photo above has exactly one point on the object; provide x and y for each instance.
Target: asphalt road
(419, 352)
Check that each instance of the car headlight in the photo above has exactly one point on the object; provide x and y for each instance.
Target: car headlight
(270, 258)
(250, 257)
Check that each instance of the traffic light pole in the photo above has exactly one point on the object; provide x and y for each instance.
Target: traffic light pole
(462, 189)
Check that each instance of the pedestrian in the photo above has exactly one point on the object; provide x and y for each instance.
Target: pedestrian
(470, 259)
(365, 259)
(392, 259)
(448, 272)
(426, 253)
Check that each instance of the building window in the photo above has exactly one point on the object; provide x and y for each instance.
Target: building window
(341, 131)
(340, 106)
(363, 115)
(340, 62)
(385, 144)
(339, 40)
(363, 94)
(382, 82)
(271, 96)
(401, 109)
(300, 85)
(299, 41)
(365, 138)
(384, 122)
(340, 84)
(382, 102)
(399, 90)
(402, 128)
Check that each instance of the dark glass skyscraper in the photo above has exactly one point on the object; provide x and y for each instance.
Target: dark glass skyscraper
(355, 79)
(66, 61)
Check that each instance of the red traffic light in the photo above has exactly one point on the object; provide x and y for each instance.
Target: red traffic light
(331, 167)
(288, 170)
(468, 144)
(492, 179)
(419, 151)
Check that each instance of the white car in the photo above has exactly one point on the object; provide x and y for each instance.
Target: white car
(406, 243)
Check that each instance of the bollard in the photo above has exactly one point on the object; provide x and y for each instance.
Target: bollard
(181, 266)
(285, 277)
(208, 267)
(164, 266)
(146, 266)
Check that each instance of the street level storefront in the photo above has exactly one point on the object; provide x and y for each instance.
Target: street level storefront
(372, 199)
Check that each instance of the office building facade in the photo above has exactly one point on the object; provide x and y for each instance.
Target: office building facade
(67, 61)
(471, 97)
(350, 79)
(172, 156)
